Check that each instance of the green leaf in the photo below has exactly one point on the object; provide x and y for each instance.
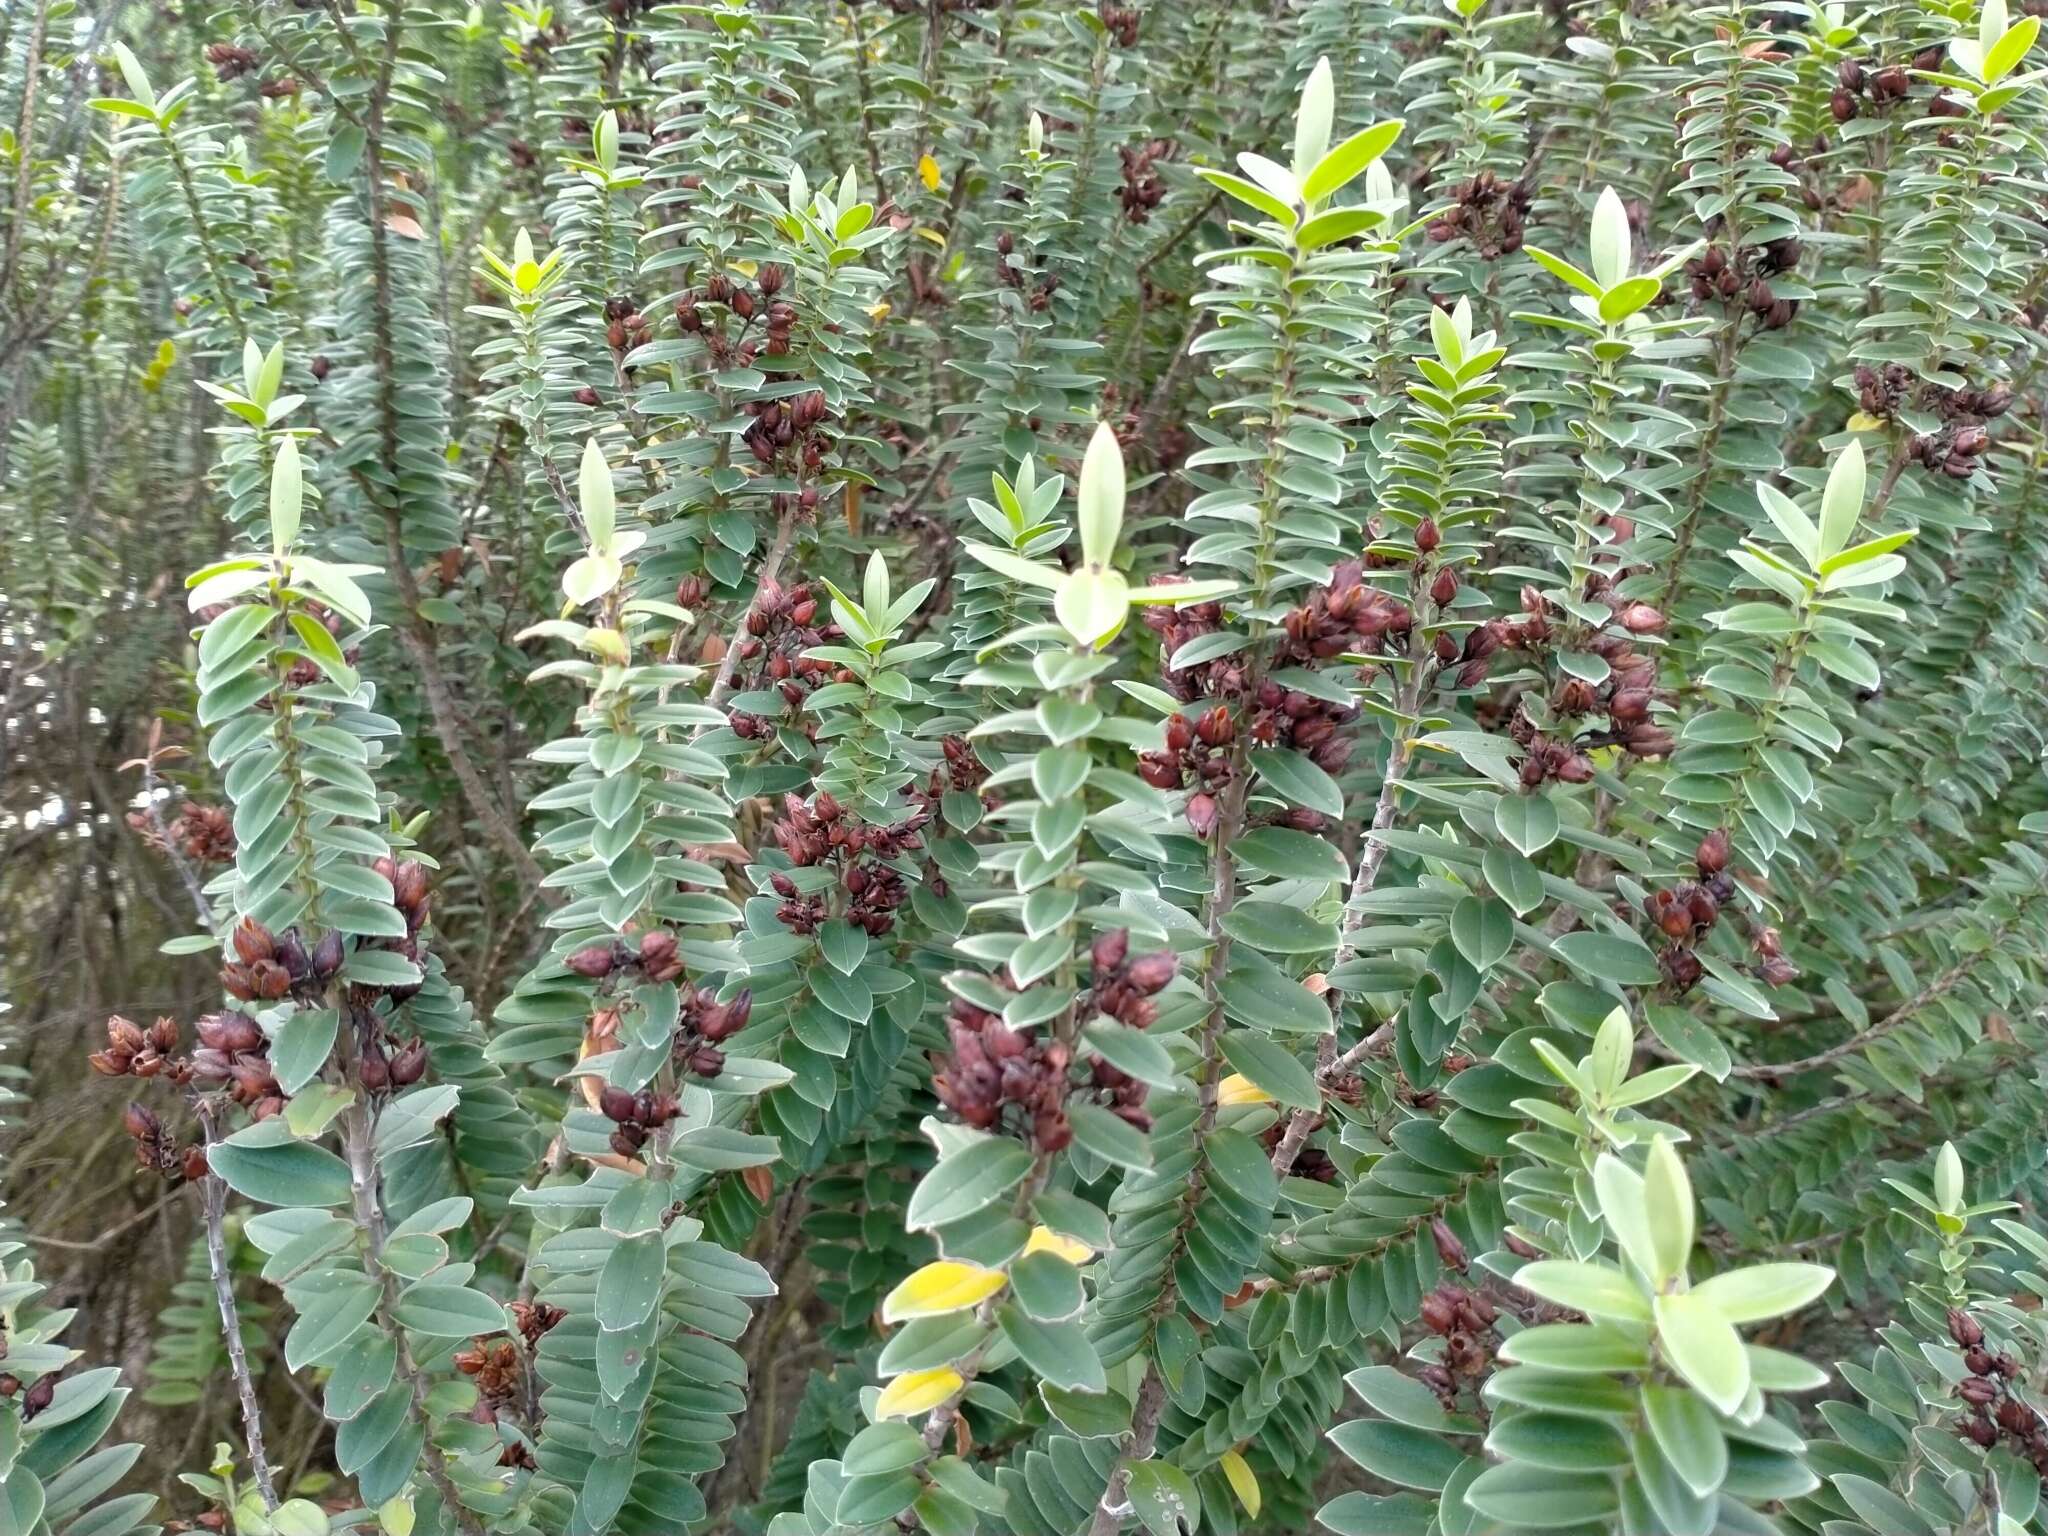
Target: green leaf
(1092, 604)
(1609, 957)
(302, 1047)
(287, 495)
(1688, 1435)
(1337, 169)
(1610, 240)
(2003, 56)
(1046, 1286)
(1312, 120)
(1667, 1198)
(1058, 1352)
(1100, 497)
(1272, 1068)
(1701, 1345)
(290, 1173)
(1163, 1495)
(1557, 266)
(1251, 194)
(1579, 1348)
(975, 1176)
(1531, 1498)
(1399, 1453)
(1528, 822)
(1279, 928)
(1560, 1442)
(452, 1311)
(1016, 567)
(1514, 879)
(1483, 931)
(1841, 504)
(1600, 1291)
(1628, 296)
(1295, 779)
(411, 1117)
(1764, 1291)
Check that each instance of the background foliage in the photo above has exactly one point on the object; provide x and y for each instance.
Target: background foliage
(983, 764)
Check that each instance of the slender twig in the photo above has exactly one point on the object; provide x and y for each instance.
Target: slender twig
(213, 1192)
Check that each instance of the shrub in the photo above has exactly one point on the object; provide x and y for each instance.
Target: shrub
(978, 765)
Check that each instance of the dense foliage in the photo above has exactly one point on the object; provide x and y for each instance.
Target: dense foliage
(990, 765)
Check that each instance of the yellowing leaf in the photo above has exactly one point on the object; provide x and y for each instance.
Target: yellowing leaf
(1072, 1249)
(747, 268)
(945, 1285)
(917, 1392)
(880, 310)
(1238, 1473)
(926, 232)
(1239, 1089)
(1863, 421)
(928, 172)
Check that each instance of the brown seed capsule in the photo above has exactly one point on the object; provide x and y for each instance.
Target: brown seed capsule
(1712, 854)
(1110, 950)
(409, 1065)
(1150, 973)
(596, 962)
(1449, 1246)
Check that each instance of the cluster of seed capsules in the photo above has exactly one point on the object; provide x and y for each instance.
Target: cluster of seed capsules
(1746, 279)
(703, 1020)
(782, 626)
(1144, 188)
(1623, 697)
(727, 296)
(996, 1077)
(1996, 1412)
(1963, 438)
(1490, 211)
(1877, 86)
(824, 833)
(205, 834)
(1036, 286)
(1464, 1320)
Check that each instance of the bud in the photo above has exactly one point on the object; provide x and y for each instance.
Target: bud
(1216, 728)
(1964, 1329)
(1149, 973)
(1641, 619)
(1110, 950)
(596, 962)
(38, 1397)
(616, 1104)
(253, 941)
(1449, 1246)
(1444, 588)
(409, 1065)
(1428, 538)
(1712, 854)
(1202, 813)
(124, 1036)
